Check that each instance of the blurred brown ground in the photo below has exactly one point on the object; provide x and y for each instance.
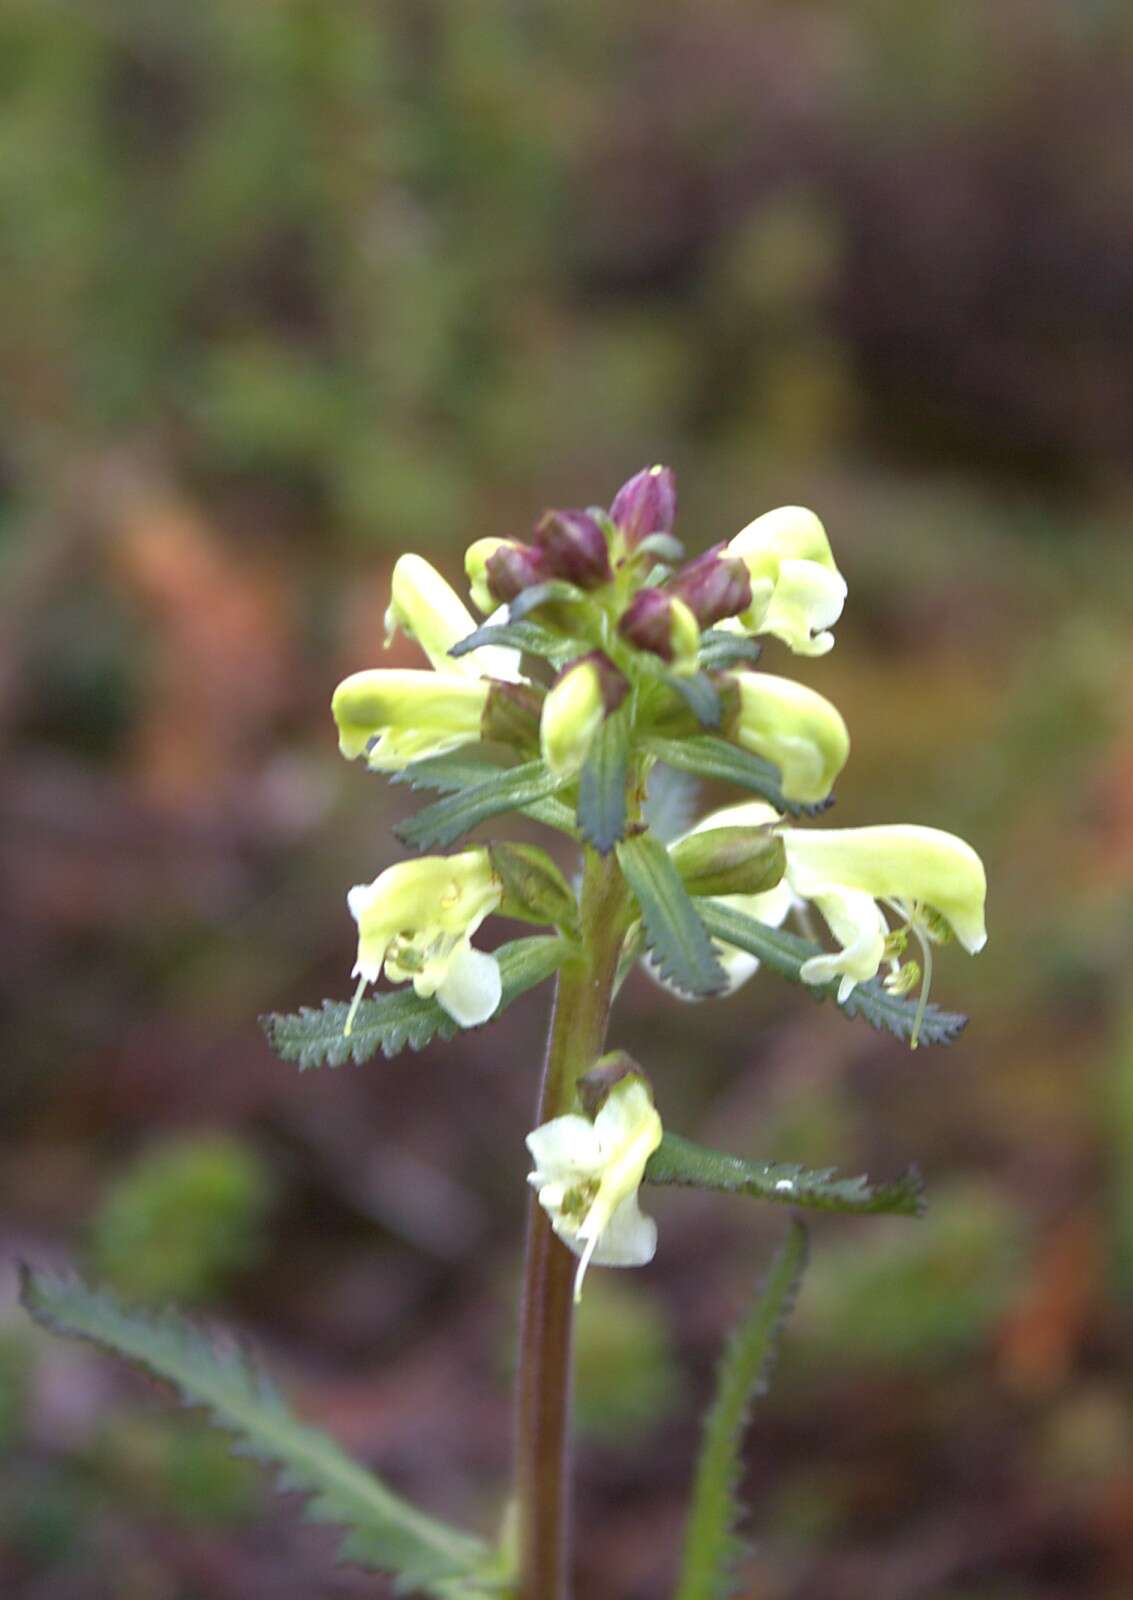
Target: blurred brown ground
(291, 288)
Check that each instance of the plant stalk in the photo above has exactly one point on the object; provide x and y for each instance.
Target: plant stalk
(579, 1018)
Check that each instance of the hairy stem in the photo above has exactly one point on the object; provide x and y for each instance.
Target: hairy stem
(578, 1032)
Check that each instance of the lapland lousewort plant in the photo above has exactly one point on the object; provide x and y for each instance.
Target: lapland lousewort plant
(608, 666)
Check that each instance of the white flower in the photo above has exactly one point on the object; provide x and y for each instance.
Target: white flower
(797, 591)
(417, 920)
(587, 1175)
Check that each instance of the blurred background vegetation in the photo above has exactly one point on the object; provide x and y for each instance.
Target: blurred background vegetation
(290, 287)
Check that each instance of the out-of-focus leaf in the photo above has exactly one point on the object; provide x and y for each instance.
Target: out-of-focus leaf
(712, 1549)
(699, 694)
(526, 634)
(383, 1531)
(720, 649)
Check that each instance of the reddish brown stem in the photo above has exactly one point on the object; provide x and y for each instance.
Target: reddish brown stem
(577, 1035)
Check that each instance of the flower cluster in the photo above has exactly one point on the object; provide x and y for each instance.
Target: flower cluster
(598, 615)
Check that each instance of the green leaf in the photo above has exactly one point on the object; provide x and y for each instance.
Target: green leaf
(471, 765)
(540, 594)
(720, 649)
(602, 784)
(673, 931)
(510, 789)
(712, 1549)
(699, 694)
(663, 546)
(784, 953)
(526, 635)
(391, 1022)
(679, 1161)
(383, 1531)
(709, 757)
(534, 888)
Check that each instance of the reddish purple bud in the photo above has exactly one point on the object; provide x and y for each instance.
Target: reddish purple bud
(713, 586)
(612, 686)
(647, 623)
(513, 568)
(573, 546)
(646, 504)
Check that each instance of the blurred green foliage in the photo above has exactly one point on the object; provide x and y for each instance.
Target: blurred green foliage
(627, 1379)
(916, 1297)
(180, 1221)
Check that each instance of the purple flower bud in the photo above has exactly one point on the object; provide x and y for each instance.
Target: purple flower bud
(573, 546)
(612, 685)
(713, 586)
(513, 568)
(646, 504)
(647, 623)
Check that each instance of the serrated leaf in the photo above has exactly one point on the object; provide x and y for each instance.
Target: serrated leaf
(602, 784)
(674, 932)
(692, 1166)
(720, 649)
(469, 766)
(784, 953)
(707, 756)
(526, 635)
(392, 1022)
(712, 1549)
(509, 789)
(383, 1531)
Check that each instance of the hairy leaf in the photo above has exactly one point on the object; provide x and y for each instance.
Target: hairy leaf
(719, 649)
(712, 1549)
(784, 953)
(679, 1161)
(472, 765)
(383, 1531)
(392, 1022)
(707, 756)
(509, 789)
(602, 784)
(673, 930)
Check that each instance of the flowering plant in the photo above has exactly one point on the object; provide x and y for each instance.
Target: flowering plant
(606, 660)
